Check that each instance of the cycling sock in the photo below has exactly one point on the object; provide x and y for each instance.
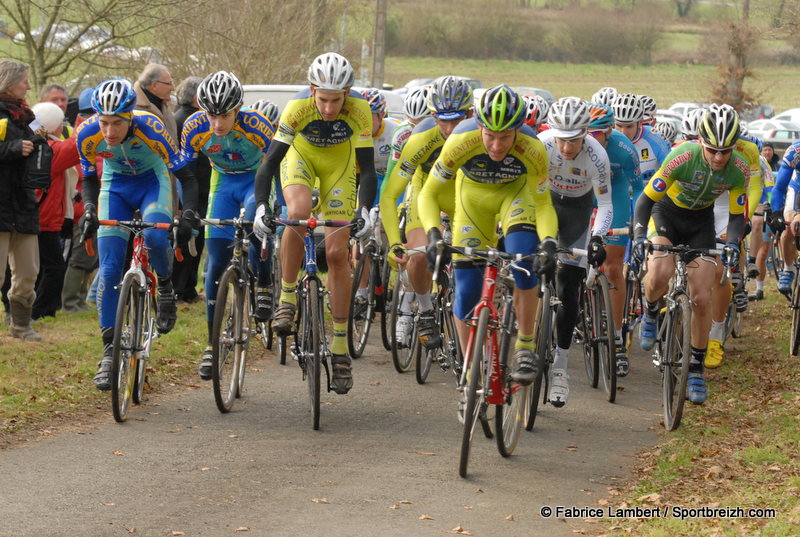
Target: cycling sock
(424, 302)
(339, 338)
(652, 308)
(405, 303)
(362, 292)
(524, 341)
(717, 330)
(289, 292)
(618, 337)
(560, 359)
(696, 361)
(789, 268)
(759, 285)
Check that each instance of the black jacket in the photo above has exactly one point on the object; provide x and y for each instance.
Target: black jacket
(18, 208)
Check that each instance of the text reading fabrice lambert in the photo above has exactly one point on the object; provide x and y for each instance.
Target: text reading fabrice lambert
(663, 511)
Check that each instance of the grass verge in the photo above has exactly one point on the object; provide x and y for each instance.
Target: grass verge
(740, 449)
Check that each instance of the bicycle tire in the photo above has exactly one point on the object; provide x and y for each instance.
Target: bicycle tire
(149, 334)
(423, 360)
(510, 416)
(247, 318)
(402, 357)
(633, 309)
(225, 334)
(775, 256)
(542, 336)
(127, 330)
(587, 330)
(386, 301)
(475, 389)
(794, 343)
(675, 363)
(604, 337)
(358, 326)
(311, 347)
(282, 346)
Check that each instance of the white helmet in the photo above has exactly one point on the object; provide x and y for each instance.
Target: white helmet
(666, 130)
(268, 109)
(331, 71)
(649, 106)
(605, 96)
(691, 123)
(50, 116)
(627, 108)
(415, 105)
(569, 117)
(719, 126)
(537, 109)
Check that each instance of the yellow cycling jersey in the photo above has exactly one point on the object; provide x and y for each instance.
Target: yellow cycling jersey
(465, 159)
(416, 160)
(689, 182)
(301, 117)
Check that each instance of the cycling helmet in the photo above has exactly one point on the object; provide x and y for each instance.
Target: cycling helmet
(720, 126)
(331, 71)
(691, 122)
(415, 105)
(627, 108)
(449, 98)
(115, 97)
(602, 116)
(268, 109)
(537, 108)
(50, 116)
(649, 106)
(501, 108)
(605, 96)
(376, 100)
(569, 117)
(219, 93)
(666, 130)
(743, 132)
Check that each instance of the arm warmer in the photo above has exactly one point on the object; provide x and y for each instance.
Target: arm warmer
(641, 215)
(365, 156)
(90, 189)
(190, 187)
(268, 169)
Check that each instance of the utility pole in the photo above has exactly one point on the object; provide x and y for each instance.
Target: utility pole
(379, 43)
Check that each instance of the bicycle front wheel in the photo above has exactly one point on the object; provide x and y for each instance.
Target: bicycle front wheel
(510, 416)
(794, 344)
(587, 330)
(126, 346)
(225, 338)
(543, 338)
(675, 362)
(311, 345)
(476, 384)
(403, 351)
(363, 313)
(149, 333)
(604, 337)
(385, 300)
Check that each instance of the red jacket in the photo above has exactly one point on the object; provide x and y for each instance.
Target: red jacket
(51, 210)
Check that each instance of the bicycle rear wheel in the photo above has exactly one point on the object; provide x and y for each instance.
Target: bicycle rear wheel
(311, 345)
(794, 343)
(587, 330)
(604, 336)
(149, 333)
(385, 303)
(360, 318)
(476, 384)
(226, 350)
(402, 355)
(633, 309)
(675, 361)
(126, 346)
(543, 338)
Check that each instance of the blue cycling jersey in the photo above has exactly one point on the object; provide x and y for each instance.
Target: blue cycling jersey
(651, 149)
(626, 180)
(148, 147)
(789, 163)
(238, 151)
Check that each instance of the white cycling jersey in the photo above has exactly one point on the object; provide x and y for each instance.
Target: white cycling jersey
(590, 169)
(383, 145)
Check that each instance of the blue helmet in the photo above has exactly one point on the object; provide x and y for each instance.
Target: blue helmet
(602, 116)
(115, 97)
(268, 109)
(449, 98)
(376, 100)
(501, 108)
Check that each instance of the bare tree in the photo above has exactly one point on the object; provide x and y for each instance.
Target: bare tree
(65, 40)
(266, 41)
(735, 68)
(683, 6)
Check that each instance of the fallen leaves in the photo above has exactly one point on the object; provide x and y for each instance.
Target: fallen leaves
(425, 517)
(320, 500)
(426, 453)
(118, 453)
(459, 530)
(242, 528)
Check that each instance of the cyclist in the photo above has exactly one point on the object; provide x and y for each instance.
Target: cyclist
(780, 213)
(626, 186)
(761, 236)
(499, 170)
(323, 131)
(604, 96)
(629, 120)
(649, 109)
(680, 199)
(449, 102)
(666, 131)
(268, 109)
(536, 112)
(580, 173)
(234, 140)
(691, 123)
(415, 108)
(722, 290)
(138, 154)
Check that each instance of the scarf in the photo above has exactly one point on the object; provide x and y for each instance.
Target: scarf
(153, 99)
(19, 112)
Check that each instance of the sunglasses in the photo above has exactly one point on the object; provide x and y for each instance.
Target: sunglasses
(717, 151)
(571, 141)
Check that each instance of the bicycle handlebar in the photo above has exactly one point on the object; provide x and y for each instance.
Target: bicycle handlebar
(132, 225)
(311, 223)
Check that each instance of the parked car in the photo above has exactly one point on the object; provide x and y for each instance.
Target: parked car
(684, 108)
(61, 35)
(526, 90)
(669, 116)
(416, 82)
(765, 127)
(791, 115)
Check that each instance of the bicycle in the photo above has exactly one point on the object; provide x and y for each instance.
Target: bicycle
(135, 324)
(371, 257)
(794, 339)
(486, 376)
(673, 349)
(310, 346)
(230, 327)
(544, 338)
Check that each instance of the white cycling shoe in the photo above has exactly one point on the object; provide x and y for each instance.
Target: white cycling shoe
(559, 388)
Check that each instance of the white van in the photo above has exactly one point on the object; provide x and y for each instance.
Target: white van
(281, 94)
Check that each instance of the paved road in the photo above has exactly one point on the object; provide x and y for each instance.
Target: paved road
(384, 462)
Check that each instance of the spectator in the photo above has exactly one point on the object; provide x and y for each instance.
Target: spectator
(55, 212)
(768, 152)
(80, 264)
(19, 215)
(184, 273)
(153, 89)
(56, 94)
